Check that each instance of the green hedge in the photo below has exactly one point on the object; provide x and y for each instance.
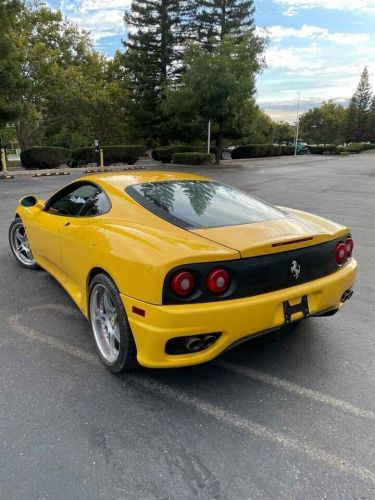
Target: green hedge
(165, 154)
(112, 154)
(83, 156)
(330, 149)
(45, 157)
(194, 158)
(355, 147)
(261, 151)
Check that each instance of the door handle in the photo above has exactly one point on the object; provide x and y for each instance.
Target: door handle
(67, 224)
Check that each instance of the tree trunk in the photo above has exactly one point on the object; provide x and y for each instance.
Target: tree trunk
(223, 20)
(219, 143)
(22, 135)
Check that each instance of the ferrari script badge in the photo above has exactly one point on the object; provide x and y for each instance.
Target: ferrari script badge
(295, 269)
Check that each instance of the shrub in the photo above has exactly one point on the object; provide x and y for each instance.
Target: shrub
(261, 151)
(193, 158)
(321, 150)
(83, 156)
(356, 147)
(123, 154)
(45, 157)
(112, 154)
(166, 153)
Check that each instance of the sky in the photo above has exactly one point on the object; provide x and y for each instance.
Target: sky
(316, 47)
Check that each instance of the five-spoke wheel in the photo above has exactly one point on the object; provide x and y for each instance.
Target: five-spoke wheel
(20, 244)
(109, 325)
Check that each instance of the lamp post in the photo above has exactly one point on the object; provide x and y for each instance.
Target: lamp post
(209, 138)
(297, 125)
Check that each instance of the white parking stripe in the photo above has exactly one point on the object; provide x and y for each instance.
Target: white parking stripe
(219, 414)
(287, 386)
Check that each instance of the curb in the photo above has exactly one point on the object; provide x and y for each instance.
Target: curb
(50, 174)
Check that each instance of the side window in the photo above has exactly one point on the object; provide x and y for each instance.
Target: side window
(71, 200)
(98, 204)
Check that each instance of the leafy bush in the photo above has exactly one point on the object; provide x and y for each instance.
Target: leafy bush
(123, 154)
(321, 150)
(166, 153)
(112, 154)
(261, 151)
(45, 157)
(194, 158)
(83, 156)
(356, 147)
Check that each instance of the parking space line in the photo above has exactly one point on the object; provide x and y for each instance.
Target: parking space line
(291, 387)
(219, 414)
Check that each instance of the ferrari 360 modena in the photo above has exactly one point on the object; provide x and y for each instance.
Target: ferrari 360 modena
(173, 269)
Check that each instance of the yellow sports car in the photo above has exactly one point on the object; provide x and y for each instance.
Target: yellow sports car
(173, 269)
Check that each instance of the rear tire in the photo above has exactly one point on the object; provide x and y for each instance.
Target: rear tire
(20, 246)
(110, 326)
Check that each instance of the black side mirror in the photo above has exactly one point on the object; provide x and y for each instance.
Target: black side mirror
(29, 201)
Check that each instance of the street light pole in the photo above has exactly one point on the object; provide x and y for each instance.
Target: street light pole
(209, 138)
(297, 124)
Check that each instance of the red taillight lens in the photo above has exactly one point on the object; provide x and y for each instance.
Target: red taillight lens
(349, 246)
(183, 283)
(218, 281)
(341, 253)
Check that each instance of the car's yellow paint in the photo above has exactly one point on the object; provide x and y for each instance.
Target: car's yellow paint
(137, 249)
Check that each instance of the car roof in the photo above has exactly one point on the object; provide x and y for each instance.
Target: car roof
(121, 180)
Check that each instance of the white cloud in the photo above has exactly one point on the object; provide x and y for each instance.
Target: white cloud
(358, 5)
(278, 33)
(102, 18)
(295, 59)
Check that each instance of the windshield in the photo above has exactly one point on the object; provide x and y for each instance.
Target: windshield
(202, 204)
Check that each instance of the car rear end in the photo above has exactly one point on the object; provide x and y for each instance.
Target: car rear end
(290, 266)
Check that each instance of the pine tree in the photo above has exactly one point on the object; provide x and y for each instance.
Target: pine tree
(152, 59)
(212, 20)
(358, 111)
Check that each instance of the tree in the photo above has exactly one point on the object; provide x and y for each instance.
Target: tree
(358, 110)
(213, 20)
(152, 59)
(10, 66)
(217, 85)
(371, 121)
(283, 132)
(67, 94)
(324, 124)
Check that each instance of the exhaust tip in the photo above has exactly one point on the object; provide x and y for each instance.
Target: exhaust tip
(191, 344)
(347, 295)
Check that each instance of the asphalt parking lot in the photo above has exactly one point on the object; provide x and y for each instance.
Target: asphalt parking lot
(281, 417)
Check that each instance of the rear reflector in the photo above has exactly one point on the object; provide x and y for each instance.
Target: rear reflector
(140, 312)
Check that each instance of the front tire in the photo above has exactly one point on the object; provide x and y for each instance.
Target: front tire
(20, 246)
(110, 326)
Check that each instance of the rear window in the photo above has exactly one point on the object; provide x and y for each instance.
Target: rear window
(202, 204)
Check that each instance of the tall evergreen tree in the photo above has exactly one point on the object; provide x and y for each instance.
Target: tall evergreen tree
(212, 20)
(358, 111)
(152, 58)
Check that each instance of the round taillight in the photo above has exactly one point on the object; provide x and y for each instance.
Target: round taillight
(183, 283)
(349, 246)
(218, 281)
(341, 253)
